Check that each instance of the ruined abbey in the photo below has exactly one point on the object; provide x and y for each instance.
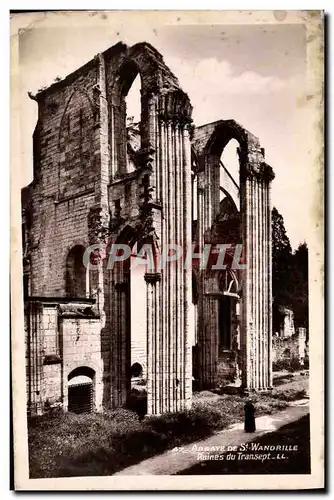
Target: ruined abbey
(100, 180)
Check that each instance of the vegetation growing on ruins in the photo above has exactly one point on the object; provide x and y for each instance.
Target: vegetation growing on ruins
(66, 444)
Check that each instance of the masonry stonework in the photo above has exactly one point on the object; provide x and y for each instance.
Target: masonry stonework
(97, 181)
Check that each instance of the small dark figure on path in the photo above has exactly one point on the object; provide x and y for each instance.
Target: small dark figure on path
(249, 417)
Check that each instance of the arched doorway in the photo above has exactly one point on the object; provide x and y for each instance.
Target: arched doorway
(129, 319)
(136, 370)
(138, 327)
(81, 391)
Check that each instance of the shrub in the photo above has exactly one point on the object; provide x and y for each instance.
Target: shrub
(281, 364)
(204, 394)
(141, 443)
(66, 444)
(283, 379)
(295, 365)
(269, 408)
(289, 394)
(210, 415)
(291, 365)
(121, 415)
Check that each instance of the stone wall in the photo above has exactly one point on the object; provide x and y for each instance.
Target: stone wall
(66, 174)
(82, 348)
(95, 185)
(84, 193)
(60, 338)
(290, 350)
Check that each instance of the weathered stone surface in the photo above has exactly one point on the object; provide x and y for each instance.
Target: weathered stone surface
(97, 182)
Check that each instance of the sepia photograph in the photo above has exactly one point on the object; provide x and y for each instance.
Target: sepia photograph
(167, 249)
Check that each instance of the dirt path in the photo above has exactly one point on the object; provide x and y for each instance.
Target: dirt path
(173, 461)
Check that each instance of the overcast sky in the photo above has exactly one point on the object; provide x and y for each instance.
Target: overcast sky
(255, 74)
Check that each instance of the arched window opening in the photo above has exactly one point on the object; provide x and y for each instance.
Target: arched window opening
(133, 102)
(229, 170)
(81, 390)
(131, 111)
(228, 283)
(75, 273)
(227, 205)
(133, 115)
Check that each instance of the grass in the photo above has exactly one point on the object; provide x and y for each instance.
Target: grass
(291, 388)
(66, 444)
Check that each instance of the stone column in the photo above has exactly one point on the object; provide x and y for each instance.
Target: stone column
(169, 352)
(35, 356)
(236, 342)
(256, 177)
(208, 193)
(208, 342)
(269, 283)
(214, 186)
(187, 275)
(154, 388)
(101, 185)
(120, 338)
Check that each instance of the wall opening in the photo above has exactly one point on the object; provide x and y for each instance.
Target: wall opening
(75, 285)
(136, 370)
(230, 171)
(133, 102)
(81, 390)
(193, 312)
(225, 337)
(138, 313)
(129, 122)
(25, 285)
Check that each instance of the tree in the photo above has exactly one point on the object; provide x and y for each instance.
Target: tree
(298, 285)
(289, 275)
(281, 255)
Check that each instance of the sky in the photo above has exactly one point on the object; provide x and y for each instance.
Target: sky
(254, 74)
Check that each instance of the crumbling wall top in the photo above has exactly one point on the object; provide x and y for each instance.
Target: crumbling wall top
(213, 137)
(143, 54)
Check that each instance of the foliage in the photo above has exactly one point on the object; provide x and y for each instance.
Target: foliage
(298, 288)
(291, 365)
(64, 444)
(293, 389)
(281, 242)
(292, 394)
(281, 261)
(289, 275)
